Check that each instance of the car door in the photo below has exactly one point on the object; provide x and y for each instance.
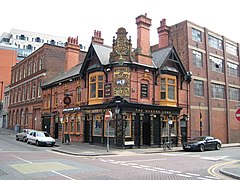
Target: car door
(210, 143)
(30, 137)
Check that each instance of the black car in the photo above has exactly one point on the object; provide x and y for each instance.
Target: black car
(202, 143)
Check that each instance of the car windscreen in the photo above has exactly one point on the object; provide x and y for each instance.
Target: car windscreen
(199, 139)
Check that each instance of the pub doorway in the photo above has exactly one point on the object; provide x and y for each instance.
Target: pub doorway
(146, 131)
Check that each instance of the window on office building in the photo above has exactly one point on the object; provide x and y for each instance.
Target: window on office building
(215, 42)
(196, 35)
(217, 91)
(198, 88)
(234, 94)
(216, 64)
(231, 49)
(233, 69)
(197, 59)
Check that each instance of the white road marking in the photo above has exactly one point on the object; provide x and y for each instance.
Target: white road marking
(192, 174)
(144, 166)
(147, 160)
(203, 178)
(62, 175)
(174, 171)
(139, 167)
(132, 164)
(214, 158)
(212, 177)
(125, 164)
(184, 175)
(161, 169)
(165, 172)
(21, 159)
(149, 169)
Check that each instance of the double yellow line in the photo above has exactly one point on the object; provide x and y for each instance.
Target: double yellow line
(213, 168)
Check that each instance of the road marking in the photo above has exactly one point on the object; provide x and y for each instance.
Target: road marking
(212, 169)
(203, 178)
(161, 169)
(139, 167)
(147, 160)
(174, 171)
(211, 177)
(62, 175)
(21, 159)
(192, 174)
(165, 172)
(214, 158)
(144, 166)
(149, 169)
(184, 175)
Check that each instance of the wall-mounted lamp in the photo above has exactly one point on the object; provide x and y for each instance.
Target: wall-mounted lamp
(70, 80)
(60, 84)
(108, 69)
(146, 70)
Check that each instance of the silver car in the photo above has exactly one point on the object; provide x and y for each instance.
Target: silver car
(40, 138)
(23, 135)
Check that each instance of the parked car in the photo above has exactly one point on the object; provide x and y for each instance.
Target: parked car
(40, 138)
(23, 135)
(202, 143)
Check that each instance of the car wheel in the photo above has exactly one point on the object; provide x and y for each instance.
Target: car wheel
(37, 143)
(201, 147)
(28, 142)
(218, 146)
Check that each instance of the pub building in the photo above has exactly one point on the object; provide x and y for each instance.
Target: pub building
(145, 89)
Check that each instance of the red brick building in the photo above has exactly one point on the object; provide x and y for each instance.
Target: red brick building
(215, 89)
(25, 109)
(141, 88)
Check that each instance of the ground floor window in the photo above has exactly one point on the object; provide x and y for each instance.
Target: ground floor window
(97, 125)
(112, 128)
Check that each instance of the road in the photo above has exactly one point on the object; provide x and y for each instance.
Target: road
(19, 160)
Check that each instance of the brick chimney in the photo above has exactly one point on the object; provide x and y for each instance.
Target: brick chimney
(97, 37)
(143, 39)
(72, 53)
(163, 34)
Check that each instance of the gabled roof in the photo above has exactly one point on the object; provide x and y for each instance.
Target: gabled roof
(69, 74)
(165, 54)
(161, 55)
(103, 53)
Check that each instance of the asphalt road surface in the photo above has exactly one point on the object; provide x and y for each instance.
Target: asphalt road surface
(19, 160)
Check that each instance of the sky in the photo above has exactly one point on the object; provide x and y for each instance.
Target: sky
(80, 18)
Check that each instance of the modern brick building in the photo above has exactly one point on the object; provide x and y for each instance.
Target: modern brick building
(215, 89)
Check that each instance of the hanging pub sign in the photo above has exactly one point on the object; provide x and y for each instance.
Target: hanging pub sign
(107, 90)
(67, 100)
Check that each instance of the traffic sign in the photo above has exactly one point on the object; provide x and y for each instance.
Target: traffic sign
(237, 114)
(108, 115)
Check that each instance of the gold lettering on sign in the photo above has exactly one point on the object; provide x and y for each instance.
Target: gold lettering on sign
(121, 81)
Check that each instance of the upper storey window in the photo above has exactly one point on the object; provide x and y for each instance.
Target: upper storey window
(22, 37)
(197, 59)
(215, 42)
(37, 39)
(168, 90)
(196, 35)
(233, 69)
(216, 64)
(231, 49)
(96, 86)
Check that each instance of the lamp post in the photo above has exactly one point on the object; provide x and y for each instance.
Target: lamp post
(200, 116)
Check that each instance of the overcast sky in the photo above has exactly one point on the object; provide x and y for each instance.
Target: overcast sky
(80, 18)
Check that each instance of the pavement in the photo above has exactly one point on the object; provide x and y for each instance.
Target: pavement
(84, 149)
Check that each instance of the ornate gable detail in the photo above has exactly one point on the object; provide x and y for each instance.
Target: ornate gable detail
(121, 47)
